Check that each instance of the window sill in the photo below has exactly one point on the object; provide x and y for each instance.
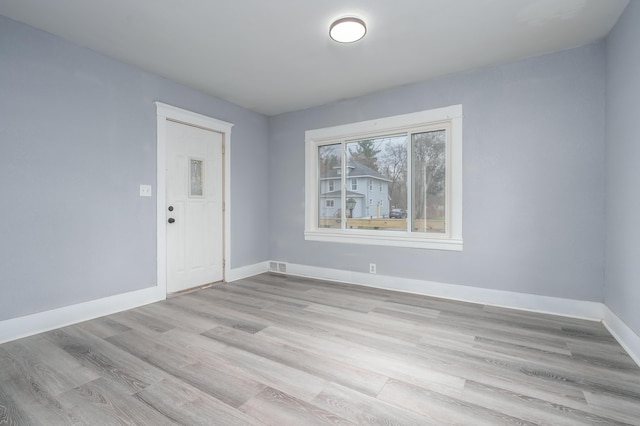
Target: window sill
(421, 242)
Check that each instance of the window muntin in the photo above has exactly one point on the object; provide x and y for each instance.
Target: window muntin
(415, 160)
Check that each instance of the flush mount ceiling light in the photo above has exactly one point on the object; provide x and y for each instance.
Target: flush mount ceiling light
(347, 30)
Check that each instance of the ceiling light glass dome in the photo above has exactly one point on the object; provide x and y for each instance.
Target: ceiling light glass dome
(347, 30)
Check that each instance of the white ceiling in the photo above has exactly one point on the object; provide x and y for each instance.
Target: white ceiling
(275, 56)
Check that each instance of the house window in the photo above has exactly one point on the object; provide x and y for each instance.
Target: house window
(331, 187)
(416, 162)
(329, 203)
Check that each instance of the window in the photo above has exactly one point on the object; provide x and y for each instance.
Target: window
(331, 187)
(416, 162)
(329, 203)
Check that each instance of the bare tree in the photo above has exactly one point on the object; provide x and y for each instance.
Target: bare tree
(428, 171)
(393, 166)
(328, 159)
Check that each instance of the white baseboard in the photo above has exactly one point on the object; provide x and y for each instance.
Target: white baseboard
(506, 299)
(629, 340)
(247, 271)
(527, 302)
(16, 328)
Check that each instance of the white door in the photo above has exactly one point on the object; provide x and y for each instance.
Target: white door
(194, 210)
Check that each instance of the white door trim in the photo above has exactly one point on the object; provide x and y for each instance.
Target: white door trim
(167, 112)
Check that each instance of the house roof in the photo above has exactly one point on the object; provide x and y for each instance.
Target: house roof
(356, 170)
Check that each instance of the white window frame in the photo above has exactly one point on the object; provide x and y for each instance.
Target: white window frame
(451, 118)
(329, 203)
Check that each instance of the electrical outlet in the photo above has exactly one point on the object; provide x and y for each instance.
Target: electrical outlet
(145, 190)
(372, 268)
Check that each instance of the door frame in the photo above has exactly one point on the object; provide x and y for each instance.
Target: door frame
(166, 113)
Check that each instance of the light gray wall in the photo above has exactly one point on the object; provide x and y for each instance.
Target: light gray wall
(622, 293)
(77, 138)
(533, 178)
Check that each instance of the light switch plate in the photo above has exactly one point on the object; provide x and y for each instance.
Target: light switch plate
(145, 190)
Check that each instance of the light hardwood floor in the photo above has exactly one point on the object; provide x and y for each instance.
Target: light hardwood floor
(289, 351)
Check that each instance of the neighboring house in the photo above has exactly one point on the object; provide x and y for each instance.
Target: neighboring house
(367, 187)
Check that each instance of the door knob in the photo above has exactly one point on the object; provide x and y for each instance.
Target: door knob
(171, 220)
(170, 208)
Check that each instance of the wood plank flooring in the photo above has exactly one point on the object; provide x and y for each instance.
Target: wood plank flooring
(291, 351)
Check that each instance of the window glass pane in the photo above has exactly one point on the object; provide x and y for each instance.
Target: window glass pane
(377, 170)
(428, 165)
(393, 165)
(329, 177)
